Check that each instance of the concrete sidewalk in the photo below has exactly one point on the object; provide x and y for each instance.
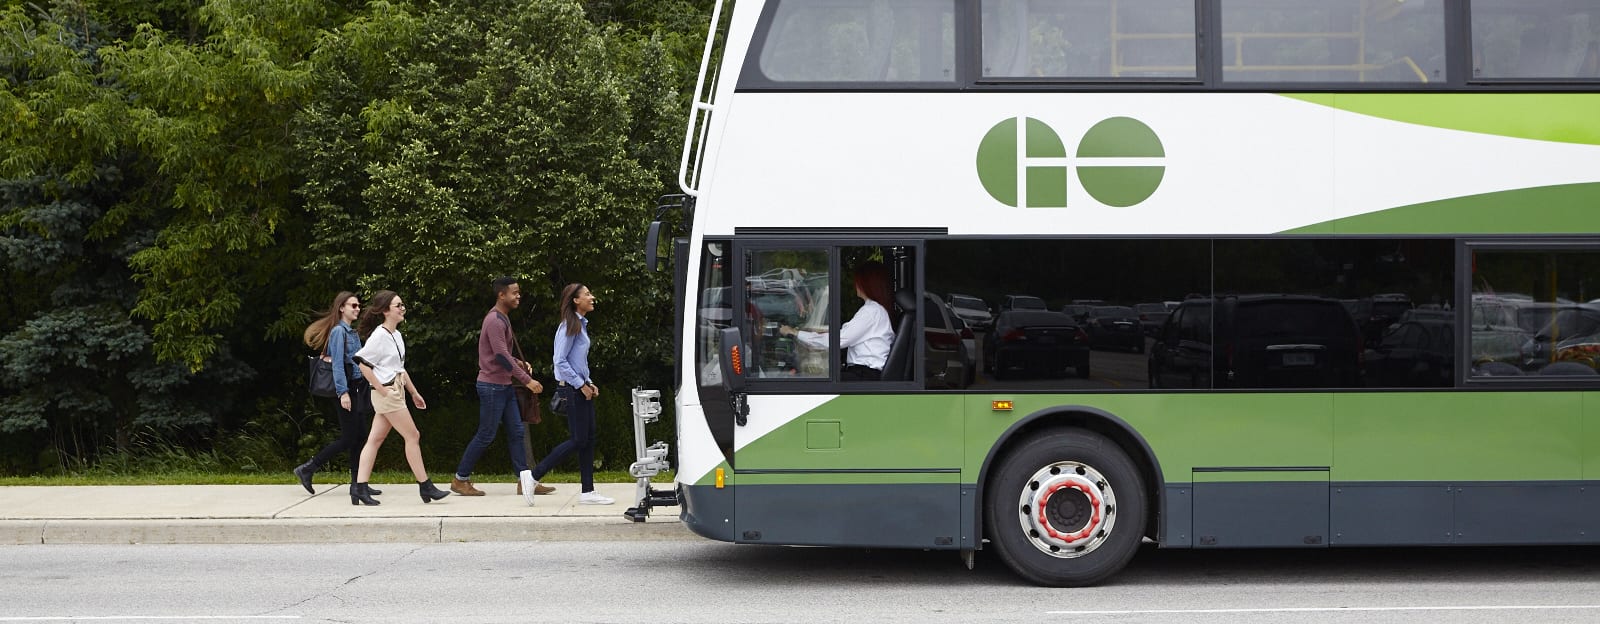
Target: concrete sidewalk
(279, 514)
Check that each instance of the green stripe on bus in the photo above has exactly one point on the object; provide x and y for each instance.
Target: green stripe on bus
(1561, 117)
(847, 478)
(1562, 209)
(1361, 436)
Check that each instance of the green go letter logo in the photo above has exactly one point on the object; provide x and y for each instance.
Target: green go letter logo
(1023, 163)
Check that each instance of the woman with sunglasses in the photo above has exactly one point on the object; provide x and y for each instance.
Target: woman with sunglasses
(383, 364)
(333, 335)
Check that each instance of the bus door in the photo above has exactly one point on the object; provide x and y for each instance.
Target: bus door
(841, 445)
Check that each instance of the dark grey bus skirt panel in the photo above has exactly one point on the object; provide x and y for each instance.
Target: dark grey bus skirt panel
(707, 510)
(870, 516)
(1318, 514)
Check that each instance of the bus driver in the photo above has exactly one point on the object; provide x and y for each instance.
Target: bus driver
(866, 337)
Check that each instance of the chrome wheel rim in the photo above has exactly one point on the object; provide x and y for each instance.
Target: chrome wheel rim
(1067, 509)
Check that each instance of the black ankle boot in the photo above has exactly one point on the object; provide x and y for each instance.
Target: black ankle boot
(370, 490)
(360, 494)
(304, 472)
(429, 492)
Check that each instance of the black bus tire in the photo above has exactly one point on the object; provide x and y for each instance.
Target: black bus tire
(1110, 543)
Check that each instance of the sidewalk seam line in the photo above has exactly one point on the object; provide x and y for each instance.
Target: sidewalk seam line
(278, 513)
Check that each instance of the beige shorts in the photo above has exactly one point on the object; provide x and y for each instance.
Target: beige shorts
(384, 403)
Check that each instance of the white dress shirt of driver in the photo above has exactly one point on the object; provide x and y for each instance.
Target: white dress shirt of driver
(866, 337)
(385, 352)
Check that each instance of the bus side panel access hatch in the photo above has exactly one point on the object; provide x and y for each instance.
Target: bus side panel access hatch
(886, 515)
(1279, 508)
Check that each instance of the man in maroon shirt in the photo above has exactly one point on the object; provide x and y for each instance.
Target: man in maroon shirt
(497, 403)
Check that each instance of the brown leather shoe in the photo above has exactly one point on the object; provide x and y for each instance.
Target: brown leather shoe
(537, 489)
(464, 488)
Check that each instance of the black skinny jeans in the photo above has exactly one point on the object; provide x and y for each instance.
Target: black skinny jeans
(581, 423)
(352, 436)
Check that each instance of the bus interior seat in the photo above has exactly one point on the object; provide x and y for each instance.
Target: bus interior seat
(1566, 368)
(898, 367)
(1497, 369)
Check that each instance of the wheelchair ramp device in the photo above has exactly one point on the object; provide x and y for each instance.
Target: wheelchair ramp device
(652, 459)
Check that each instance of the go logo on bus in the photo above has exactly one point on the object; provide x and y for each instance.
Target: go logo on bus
(1025, 165)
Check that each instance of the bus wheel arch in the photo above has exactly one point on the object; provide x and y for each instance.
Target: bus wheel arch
(1055, 439)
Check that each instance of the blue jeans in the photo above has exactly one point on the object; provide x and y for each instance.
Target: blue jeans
(497, 405)
(580, 421)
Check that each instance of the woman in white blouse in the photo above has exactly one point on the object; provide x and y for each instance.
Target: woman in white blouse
(383, 364)
(866, 337)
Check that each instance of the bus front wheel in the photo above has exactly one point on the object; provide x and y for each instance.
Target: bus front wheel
(1066, 508)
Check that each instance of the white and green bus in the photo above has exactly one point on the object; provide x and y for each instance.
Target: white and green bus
(1258, 274)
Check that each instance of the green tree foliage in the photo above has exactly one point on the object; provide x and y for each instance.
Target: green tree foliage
(182, 179)
(76, 369)
(464, 140)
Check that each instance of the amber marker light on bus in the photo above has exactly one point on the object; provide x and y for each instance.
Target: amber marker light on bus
(1000, 406)
(720, 479)
(736, 360)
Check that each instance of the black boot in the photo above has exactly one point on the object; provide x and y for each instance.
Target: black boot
(360, 494)
(304, 472)
(370, 490)
(430, 493)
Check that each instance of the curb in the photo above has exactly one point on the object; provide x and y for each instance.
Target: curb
(337, 530)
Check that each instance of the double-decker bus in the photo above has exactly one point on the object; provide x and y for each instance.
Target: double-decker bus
(1259, 274)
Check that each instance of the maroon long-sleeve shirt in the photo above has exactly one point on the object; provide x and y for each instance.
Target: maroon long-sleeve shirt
(496, 364)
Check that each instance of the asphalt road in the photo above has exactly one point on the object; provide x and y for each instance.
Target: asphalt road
(711, 582)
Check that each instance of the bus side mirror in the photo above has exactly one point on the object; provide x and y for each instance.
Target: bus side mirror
(652, 241)
(734, 359)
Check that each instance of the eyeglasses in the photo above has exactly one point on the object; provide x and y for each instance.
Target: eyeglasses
(400, 306)
(355, 306)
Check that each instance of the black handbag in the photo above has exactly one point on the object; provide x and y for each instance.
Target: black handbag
(319, 376)
(558, 403)
(360, 397)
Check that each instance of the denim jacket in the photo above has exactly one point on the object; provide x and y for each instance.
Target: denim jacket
(342, 344)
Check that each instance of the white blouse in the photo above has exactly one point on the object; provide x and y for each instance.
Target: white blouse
(865, 337)
(385, 352)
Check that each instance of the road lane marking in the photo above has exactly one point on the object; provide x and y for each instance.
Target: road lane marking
(113, 618)
(1325, 610)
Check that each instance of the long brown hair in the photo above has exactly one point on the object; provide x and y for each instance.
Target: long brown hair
(317, 332)
(873, 278)
(372, 317)
(569, 309)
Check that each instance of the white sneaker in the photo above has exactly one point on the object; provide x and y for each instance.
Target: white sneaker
(594, 498)
(525, 479)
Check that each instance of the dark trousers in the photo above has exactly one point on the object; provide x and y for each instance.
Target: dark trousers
(497, 406)
(352, 436)
(581, 424)
(857, 372)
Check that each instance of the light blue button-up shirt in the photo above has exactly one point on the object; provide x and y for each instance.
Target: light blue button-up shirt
(572, 355)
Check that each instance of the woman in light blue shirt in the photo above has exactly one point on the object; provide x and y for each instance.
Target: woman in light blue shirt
(572, 371)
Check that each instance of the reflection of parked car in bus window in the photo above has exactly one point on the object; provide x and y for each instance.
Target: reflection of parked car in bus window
(1035, 341)
(1115, 327)
(1413, 354)
(973, 311)
(1181, 355)
(1078, 311)
(1266, 341)
(1152, 316)
(1023, 302)
(1572, 328)
(949, 355)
